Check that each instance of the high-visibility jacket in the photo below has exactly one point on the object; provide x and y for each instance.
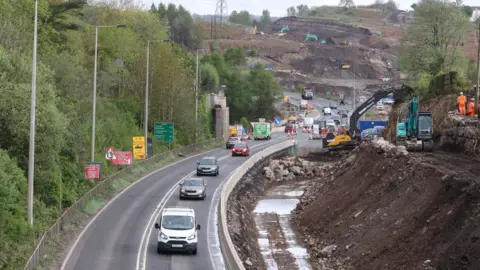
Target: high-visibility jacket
(461, 98)
(471, 108)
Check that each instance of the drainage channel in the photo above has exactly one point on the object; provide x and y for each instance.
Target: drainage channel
(281, 248)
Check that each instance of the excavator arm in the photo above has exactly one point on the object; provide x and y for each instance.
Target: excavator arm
(398, 91)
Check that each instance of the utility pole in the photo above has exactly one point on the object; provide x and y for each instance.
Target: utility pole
(31, 147)
(477, 90)
(196, 92)
(94, 109)
(145, 125)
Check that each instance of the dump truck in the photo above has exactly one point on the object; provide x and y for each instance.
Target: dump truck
(262, 131)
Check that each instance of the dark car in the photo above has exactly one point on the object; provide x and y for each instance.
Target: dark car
(231, 142)
(290, 128)
(208, 166)
(193, 188)
(240, 149)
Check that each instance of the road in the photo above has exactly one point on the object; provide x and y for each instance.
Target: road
(113, 239)
(319, 104)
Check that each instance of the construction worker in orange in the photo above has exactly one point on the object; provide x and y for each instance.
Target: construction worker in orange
(462, 100)
(471, 107)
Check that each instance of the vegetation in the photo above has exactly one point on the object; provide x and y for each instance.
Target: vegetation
(245, 18)
(433, 43)
(66, 40)
(250, 95)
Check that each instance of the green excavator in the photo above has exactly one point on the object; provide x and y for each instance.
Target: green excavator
(416, 132)
(284, 29)
(311, 36)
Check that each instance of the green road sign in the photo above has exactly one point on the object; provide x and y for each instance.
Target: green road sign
(164, 131)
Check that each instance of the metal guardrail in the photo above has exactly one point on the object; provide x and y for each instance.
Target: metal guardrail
(231, 258)
(43, 242)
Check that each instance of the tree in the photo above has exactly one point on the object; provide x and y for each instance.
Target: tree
(291, 11)
(265, 20)
(431, 44)
(303, 10)
(346, 4)
(235, 56)
(467, 10)
(243, 17)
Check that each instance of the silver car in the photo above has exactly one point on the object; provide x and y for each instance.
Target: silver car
(194, 188)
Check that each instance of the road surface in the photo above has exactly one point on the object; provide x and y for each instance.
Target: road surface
(113, 239)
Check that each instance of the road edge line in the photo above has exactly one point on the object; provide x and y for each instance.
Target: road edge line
(77, 240)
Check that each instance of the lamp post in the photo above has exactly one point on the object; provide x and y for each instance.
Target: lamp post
(31, 147)
(94, 110)
(145, 125)
(197, 88)
(478, 72)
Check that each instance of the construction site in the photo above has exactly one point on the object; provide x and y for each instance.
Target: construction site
(378, 206)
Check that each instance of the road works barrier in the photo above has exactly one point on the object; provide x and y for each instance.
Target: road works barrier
(48, 239)
(231, 258)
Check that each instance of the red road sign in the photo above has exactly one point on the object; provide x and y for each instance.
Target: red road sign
(122, 158)
(92, 171)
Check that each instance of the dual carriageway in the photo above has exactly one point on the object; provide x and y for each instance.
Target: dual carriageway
(122, 234)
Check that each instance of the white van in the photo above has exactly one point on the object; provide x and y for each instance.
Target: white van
(177, 230)
(327, 111)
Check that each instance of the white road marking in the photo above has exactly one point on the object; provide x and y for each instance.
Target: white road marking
(214, 250)
(141, 263)
(72, 248)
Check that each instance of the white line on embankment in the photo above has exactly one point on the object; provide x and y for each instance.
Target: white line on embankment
(141, 263)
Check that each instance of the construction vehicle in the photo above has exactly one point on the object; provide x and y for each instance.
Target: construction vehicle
(284, 29)
(416, 132)
(311, 36)
(352, 137)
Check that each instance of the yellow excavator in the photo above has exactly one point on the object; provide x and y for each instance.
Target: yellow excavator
(351, 138)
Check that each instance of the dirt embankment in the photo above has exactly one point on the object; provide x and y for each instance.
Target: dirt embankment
(382, 209)
(266, 174)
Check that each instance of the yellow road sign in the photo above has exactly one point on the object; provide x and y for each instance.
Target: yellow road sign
(139, 147)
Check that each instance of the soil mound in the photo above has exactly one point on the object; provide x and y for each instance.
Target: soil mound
(380, 210)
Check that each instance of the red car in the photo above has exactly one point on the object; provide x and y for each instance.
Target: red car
(290, 128)
(245, 137)
(240, 149)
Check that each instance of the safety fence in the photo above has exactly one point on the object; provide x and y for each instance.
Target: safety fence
(230, 255)
(47, 240)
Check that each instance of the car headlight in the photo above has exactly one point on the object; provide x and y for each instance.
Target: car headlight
(191, 237)
(162, 235)
(183, 190)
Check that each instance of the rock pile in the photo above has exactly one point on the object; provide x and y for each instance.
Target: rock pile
(387, 148)
(460, 133)
(287, 168)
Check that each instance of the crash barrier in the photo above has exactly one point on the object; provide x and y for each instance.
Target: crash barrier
(48, 238)
(231, 258)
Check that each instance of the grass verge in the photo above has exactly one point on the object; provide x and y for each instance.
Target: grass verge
(55, 249)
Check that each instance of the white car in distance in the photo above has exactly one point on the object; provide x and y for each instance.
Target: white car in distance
(177, 230)
(330, 123)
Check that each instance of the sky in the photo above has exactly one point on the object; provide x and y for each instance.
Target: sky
(277, 8)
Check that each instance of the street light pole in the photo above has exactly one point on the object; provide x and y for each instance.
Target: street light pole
(478, 72)
(145, 125)
(94, 110)
(31, 147)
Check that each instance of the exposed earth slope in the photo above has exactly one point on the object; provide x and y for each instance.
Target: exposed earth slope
(380, 210)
